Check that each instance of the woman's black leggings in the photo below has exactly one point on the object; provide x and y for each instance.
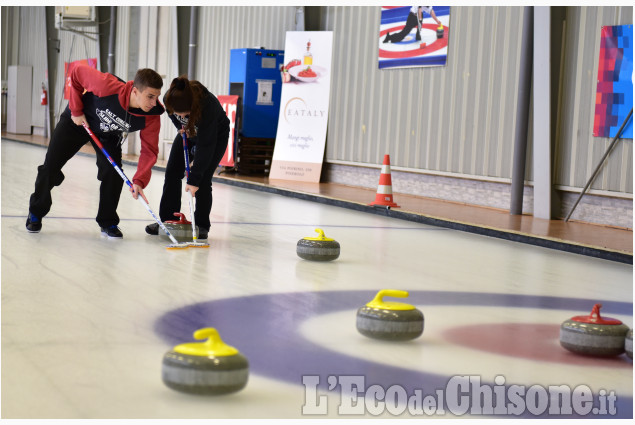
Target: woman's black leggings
(172, 190)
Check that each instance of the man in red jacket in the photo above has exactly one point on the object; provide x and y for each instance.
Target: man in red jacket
(112, 108)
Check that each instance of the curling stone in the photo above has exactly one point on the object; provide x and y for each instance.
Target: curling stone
(319, 248)
(628, 344)
(390, 320)
(181, 229)
(211, 367)
(593, 335)
(440, 31)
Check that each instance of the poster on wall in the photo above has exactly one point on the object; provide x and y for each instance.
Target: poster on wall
(614, 96)
(304, 103)
(68, 67)
(413, 36)
(230, 105)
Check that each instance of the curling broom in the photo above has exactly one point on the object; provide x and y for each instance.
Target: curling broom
(194, 243)
(175, 244)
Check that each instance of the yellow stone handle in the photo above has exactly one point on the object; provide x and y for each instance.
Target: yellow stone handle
(378, 301)
(213, 346)
(320, 237)
(210, 333)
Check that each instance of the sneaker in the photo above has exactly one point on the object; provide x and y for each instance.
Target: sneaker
(33, 224)
(112, 232)
(202, 233)
(152, 229)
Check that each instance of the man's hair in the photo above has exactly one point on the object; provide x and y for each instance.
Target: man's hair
(147, 77)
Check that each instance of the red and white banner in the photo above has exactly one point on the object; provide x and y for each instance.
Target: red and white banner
(304, 105)
(230, 105)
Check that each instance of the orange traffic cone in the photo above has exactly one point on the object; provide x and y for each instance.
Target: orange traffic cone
(384, 190)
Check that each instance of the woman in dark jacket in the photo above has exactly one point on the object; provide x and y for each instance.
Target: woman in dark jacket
(193, 109)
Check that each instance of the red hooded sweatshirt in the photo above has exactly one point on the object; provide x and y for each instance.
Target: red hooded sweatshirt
(104, 99)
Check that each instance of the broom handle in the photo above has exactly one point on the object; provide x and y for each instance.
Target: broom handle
(597, 168)
(187, 175)
(125, 179)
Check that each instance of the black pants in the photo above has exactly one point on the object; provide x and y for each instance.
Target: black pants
(66, 141)
(172, 191)
(411, 23)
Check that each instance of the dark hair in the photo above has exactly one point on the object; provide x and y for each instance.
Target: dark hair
(147, 77)
(183, 96)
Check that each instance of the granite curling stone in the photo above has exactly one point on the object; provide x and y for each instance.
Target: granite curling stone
(391, 321)
(440, 31)
(593, 335)
(319, 248)
(207, 368)
(181, 229)
(628, 344)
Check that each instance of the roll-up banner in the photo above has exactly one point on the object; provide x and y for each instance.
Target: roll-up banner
(304, 103)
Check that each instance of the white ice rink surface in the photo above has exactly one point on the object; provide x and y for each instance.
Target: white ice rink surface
(80, 312)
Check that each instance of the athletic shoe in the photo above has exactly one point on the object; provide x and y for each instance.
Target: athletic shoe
(202, 233)
(152, 229)
(33, 224)
(112, 232)
(387, 39)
